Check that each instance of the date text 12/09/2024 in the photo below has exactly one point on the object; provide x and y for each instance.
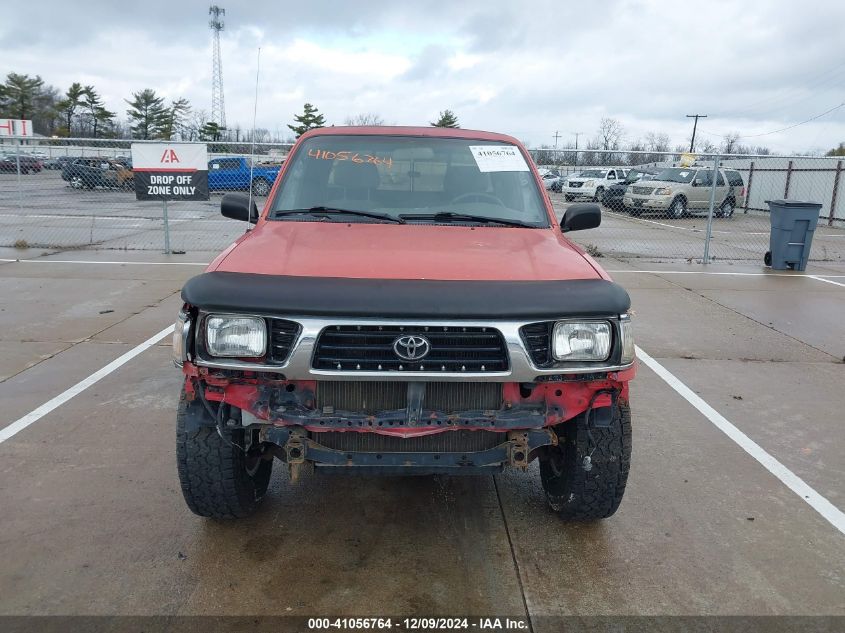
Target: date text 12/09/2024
(419, 624)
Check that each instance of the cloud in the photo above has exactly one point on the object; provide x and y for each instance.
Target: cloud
(530, 71)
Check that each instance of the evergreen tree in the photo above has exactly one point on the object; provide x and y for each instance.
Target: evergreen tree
(447, 119)
(211, 131)
(308, 120)
(174, 118)
(98, 115)
(838, 151)
(69, 105)
(20, 95)
(147, 114)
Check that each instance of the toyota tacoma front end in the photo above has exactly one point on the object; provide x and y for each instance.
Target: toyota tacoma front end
(407, 303)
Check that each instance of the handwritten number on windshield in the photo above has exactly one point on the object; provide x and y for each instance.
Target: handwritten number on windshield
(354, 157)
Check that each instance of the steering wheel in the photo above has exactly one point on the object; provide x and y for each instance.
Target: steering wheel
(477, 196)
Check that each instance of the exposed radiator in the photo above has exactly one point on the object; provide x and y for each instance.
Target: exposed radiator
(374, 396)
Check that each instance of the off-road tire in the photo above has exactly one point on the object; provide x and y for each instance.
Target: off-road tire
(213, 472)
(588, 495)
(598, 194)
(726, 209)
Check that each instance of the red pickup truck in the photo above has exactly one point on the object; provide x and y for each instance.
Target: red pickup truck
(406, 303)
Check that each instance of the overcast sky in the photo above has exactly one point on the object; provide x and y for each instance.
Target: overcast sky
(527, 69)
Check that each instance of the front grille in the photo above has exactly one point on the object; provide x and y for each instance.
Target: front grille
(373, 397)
(642, 191)
(283, 333)
(371, 348)
(537, 338)
(447, 442)
(575, 184)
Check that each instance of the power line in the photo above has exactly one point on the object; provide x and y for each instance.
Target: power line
(783, 129)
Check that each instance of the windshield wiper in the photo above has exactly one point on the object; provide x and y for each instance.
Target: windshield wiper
(449, 216)
(321, 210)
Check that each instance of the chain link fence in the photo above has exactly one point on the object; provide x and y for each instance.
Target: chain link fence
(78, 193)
(666, 206)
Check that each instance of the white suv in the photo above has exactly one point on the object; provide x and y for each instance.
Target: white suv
(591, 183)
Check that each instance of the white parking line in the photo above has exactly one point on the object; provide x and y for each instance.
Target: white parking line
(33, 416)
(828, 281)
(820, 504)
(708, 272)
(89, 261)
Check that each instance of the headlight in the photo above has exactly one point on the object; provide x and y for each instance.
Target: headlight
(235, 336)
(627, 328)
(589, 183)
(181, 329)
(581, 341)
(663, 191)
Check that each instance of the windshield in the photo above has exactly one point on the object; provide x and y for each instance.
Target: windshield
(635, 175)
(412, 178)
(592, 173)
(675, 175)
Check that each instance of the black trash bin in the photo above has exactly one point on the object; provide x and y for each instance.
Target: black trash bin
(793, 224)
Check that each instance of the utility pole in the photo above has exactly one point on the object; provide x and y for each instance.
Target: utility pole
(577, 134)
(557, 136)
(694, 125)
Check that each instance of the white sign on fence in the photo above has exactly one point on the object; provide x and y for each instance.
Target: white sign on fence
(15, 127)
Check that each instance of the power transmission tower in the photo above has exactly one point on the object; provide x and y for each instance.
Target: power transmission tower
(694, 125)
(218, 107)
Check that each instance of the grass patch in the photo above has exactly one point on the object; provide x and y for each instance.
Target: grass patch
(593, 250)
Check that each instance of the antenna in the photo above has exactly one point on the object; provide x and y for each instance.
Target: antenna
(254, 116)
(218, 107)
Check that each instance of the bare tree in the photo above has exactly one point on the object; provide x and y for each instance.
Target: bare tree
(610, 134)
(368, 118)
(730, 143)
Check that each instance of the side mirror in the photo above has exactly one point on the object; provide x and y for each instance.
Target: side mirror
(581, 216)
(237, 206)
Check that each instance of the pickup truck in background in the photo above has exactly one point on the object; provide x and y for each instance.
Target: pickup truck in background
(233, 174)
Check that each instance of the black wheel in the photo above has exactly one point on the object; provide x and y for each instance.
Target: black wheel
(726, 210)
(76, 182)
(678, 208)
(587, 490)
(218, 479)
(767, 258)
(598, 195)
(260, 187)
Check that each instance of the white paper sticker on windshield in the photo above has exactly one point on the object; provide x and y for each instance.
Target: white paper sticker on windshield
(498, 158)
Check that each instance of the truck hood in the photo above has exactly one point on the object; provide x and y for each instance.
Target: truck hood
(405, 251)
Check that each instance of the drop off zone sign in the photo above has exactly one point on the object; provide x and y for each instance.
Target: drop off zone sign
(170, 171)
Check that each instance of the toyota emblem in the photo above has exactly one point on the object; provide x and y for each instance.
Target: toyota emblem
(411, 347)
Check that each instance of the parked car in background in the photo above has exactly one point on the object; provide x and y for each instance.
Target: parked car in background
(591, 183)
(58, 162)
(234, 174)
(88, 173)
(678, 191)
(614, 194)
(28, 164)
(551, 179)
